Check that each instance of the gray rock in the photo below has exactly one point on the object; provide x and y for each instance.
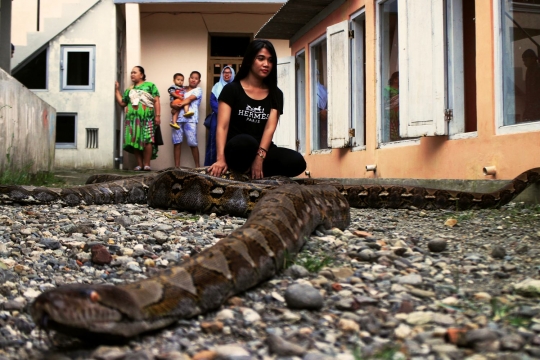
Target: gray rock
(300, 296)
(125, 221)
(480, 335)
(50, 243)
(437, 245)
(512, 342)
(498, 252)
(367, 255)
(297, 272)
(282, 347)
(412, 279)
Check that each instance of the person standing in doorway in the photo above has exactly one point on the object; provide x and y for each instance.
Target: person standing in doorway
(227, 75)
(188, 125)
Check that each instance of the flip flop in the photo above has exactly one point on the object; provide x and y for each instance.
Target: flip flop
(137, 168)
(147, 168)
(189, 114)
(173, 125)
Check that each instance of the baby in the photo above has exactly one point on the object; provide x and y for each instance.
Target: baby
(176, 93)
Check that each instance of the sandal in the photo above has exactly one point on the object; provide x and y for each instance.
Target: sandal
(137, 168)
(147, 168)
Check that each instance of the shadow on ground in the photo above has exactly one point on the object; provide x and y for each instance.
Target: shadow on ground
(78, 177)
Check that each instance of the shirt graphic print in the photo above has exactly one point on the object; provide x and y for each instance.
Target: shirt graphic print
(253, 114)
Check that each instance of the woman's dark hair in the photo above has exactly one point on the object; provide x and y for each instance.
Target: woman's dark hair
(251, 52)
(393, 77)
(141, 69)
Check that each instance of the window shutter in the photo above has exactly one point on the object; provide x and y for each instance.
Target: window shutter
(422, 95)
(339, 80)
(285, 135)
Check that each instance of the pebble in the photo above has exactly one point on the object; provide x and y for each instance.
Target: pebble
(437, 245)
(386, 284)
(301, 296)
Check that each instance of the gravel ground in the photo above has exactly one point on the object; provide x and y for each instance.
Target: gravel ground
(397, 284)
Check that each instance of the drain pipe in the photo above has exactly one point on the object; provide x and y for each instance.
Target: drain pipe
(120, 158)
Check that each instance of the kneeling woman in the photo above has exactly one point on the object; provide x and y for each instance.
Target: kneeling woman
(248, 113)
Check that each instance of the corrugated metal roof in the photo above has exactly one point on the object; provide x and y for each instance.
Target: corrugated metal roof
(292, 17)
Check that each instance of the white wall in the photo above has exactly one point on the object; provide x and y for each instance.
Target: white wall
(95, 109)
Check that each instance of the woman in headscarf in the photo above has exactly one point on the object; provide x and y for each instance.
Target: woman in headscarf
(227, 76)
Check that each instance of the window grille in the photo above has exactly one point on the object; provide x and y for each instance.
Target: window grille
(91, 138)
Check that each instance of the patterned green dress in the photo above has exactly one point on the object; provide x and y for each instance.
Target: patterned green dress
(139, 122)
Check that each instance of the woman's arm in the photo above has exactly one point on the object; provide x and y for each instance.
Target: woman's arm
(157, 111)
(224, 118)
(268, 134)
(117, 95)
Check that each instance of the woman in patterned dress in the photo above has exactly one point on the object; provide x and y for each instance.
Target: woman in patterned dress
(143, 115)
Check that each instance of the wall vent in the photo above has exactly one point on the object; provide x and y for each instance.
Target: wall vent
(91, 138)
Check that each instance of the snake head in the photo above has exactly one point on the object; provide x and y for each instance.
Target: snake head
(85, 310)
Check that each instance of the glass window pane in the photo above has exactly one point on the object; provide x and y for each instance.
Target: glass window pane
(521, 70)
(78, 68)
(389, 70)
(65, 129)
(320, 126)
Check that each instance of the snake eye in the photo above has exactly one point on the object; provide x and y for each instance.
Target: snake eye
(94, 296)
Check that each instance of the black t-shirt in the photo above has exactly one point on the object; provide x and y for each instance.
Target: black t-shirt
(248, 116)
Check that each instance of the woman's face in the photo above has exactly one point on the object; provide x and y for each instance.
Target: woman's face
(263, 63)
(227, 73)
(136, 75)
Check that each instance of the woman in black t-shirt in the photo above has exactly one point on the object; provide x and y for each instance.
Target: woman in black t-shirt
(248, 113)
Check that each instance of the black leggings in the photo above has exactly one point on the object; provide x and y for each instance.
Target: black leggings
(240, 151)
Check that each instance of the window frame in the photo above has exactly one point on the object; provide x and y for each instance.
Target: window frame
(72, 145)
(500, 128)
(313, 96)
(358, 110)
(379, 102)
(300, 102)
(64, 50)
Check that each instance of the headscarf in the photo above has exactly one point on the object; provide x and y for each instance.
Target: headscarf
(216, 90)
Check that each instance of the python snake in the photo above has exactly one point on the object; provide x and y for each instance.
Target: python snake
(281, 217)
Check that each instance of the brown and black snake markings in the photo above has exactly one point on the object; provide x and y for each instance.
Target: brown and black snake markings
(282, 214)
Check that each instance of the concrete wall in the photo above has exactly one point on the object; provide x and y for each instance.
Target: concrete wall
(95, 109)
(27, 128)
(174, 38)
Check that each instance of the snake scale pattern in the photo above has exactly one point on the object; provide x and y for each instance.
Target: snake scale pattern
(282, 213)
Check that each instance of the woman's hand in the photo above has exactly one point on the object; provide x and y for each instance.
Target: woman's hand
(157, 119)
(218, 168)
(257, 168)
(117, 85)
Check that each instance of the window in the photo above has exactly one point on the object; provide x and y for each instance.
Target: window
(66, 131)
(33, 73)
(519, 69)
(228, 46)
(78, 67)
(425, 48)
(285, 135)
(389, 71)
(319, 94)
